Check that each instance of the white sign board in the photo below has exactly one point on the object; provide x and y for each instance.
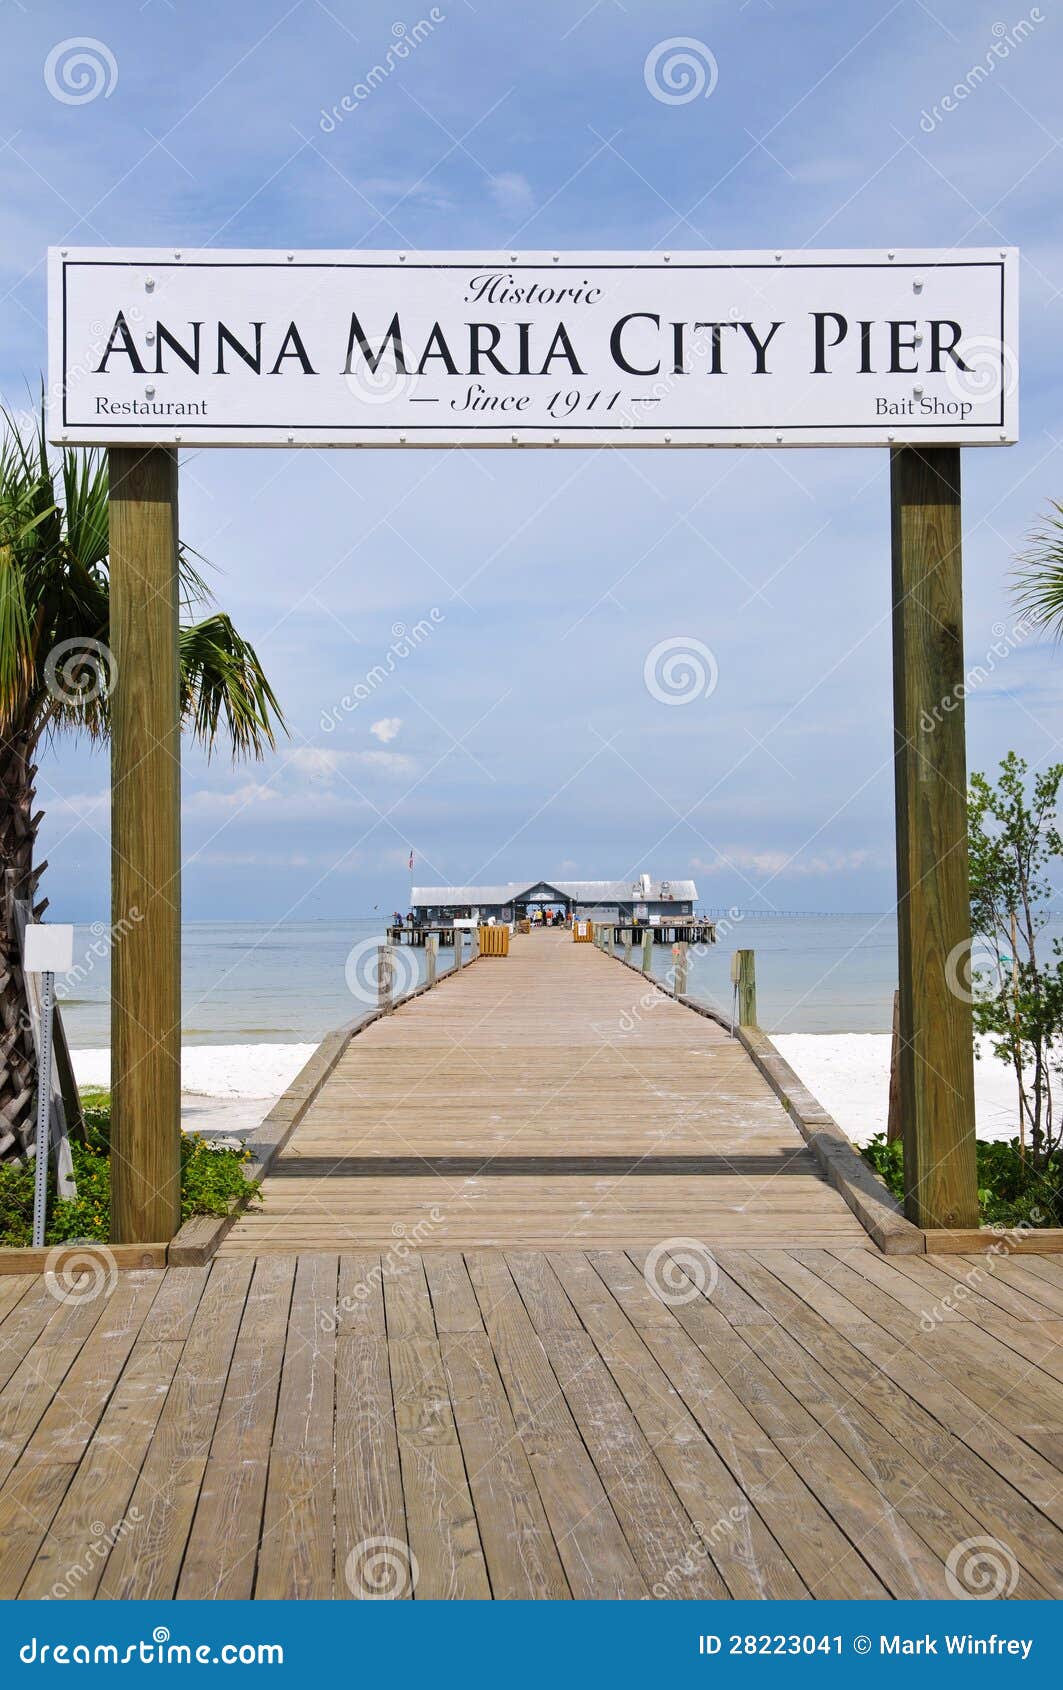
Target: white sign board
(48, 948)
(533, 349)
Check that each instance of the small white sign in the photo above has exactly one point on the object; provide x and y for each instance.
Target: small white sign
(48, 948)
(217, 348)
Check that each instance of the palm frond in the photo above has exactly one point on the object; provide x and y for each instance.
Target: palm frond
(1038, 573)
(223, 684)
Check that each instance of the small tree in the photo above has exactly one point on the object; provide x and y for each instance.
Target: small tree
(1014, 843)
(54, 679)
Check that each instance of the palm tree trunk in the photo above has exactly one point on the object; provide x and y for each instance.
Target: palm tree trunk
(18, 833)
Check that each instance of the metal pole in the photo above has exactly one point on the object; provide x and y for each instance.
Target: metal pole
(44, 1071)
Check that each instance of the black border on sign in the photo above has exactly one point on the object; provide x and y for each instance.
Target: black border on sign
(532, 428)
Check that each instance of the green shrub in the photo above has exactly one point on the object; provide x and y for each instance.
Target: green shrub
(211, 1181)
(1011, 1192)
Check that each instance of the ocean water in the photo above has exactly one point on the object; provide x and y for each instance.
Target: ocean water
(253, 983)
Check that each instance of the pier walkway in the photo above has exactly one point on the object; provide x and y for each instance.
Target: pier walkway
(547, 1299)
(550, 1099)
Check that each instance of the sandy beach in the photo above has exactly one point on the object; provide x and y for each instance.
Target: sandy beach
(229, 1088)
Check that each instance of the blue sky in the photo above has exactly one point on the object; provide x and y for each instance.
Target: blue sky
(519, 738)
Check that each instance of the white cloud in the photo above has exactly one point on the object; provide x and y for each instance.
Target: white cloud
(511, 191)
(764, 860)
(386, 729)
(254, 792)
(315, 761)
(388, 762)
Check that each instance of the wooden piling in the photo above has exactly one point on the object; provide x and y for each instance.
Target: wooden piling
(385, 976)
(935, 1042)
(431, 957)
(647, 950)
(746, 981)
(145, 847)
(679, 953)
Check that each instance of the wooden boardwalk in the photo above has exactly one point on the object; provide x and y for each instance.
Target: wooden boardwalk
(815, 1422)
(547, 1299)
(550, 1099)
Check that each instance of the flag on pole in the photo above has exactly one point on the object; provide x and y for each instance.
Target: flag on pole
(410, 865)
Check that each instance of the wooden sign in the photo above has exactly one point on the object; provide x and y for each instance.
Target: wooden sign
(218, 348)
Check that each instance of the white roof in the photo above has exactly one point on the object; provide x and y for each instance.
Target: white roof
(580, 891)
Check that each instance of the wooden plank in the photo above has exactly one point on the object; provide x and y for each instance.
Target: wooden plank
(936, 1043)
(407, 1304)
(849, 1538)
(522, 1559)
(594, 1552)
(295, 1561)
(24, 1259)
(372, 1550)
(65, 1429)
(147, 1561)
(440, 1517)
(146, 846)
(972, 1456)
(454, 1304)
(360, 1304)
(736, 1490)
(220, 1559)
(95, 1510)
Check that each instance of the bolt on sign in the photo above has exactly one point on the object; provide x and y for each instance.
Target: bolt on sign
(215, 348)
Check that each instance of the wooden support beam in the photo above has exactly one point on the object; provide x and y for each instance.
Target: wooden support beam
(935, 1043)
(385, 976)
(647, 950)
(745, 978)
(431, 957)
(145, 847)
(679, 966)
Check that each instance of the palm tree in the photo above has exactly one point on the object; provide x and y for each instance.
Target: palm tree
(1039, 575)
(54, 629)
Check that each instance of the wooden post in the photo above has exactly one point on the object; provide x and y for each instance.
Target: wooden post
(647, 951)
(935, 1044)
(746, 981)
(626, 936)
(145, 848)
(679, 951)
(607, 942)
(459, 946)
(385, 976)
(431, 957)
(893, 1114)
